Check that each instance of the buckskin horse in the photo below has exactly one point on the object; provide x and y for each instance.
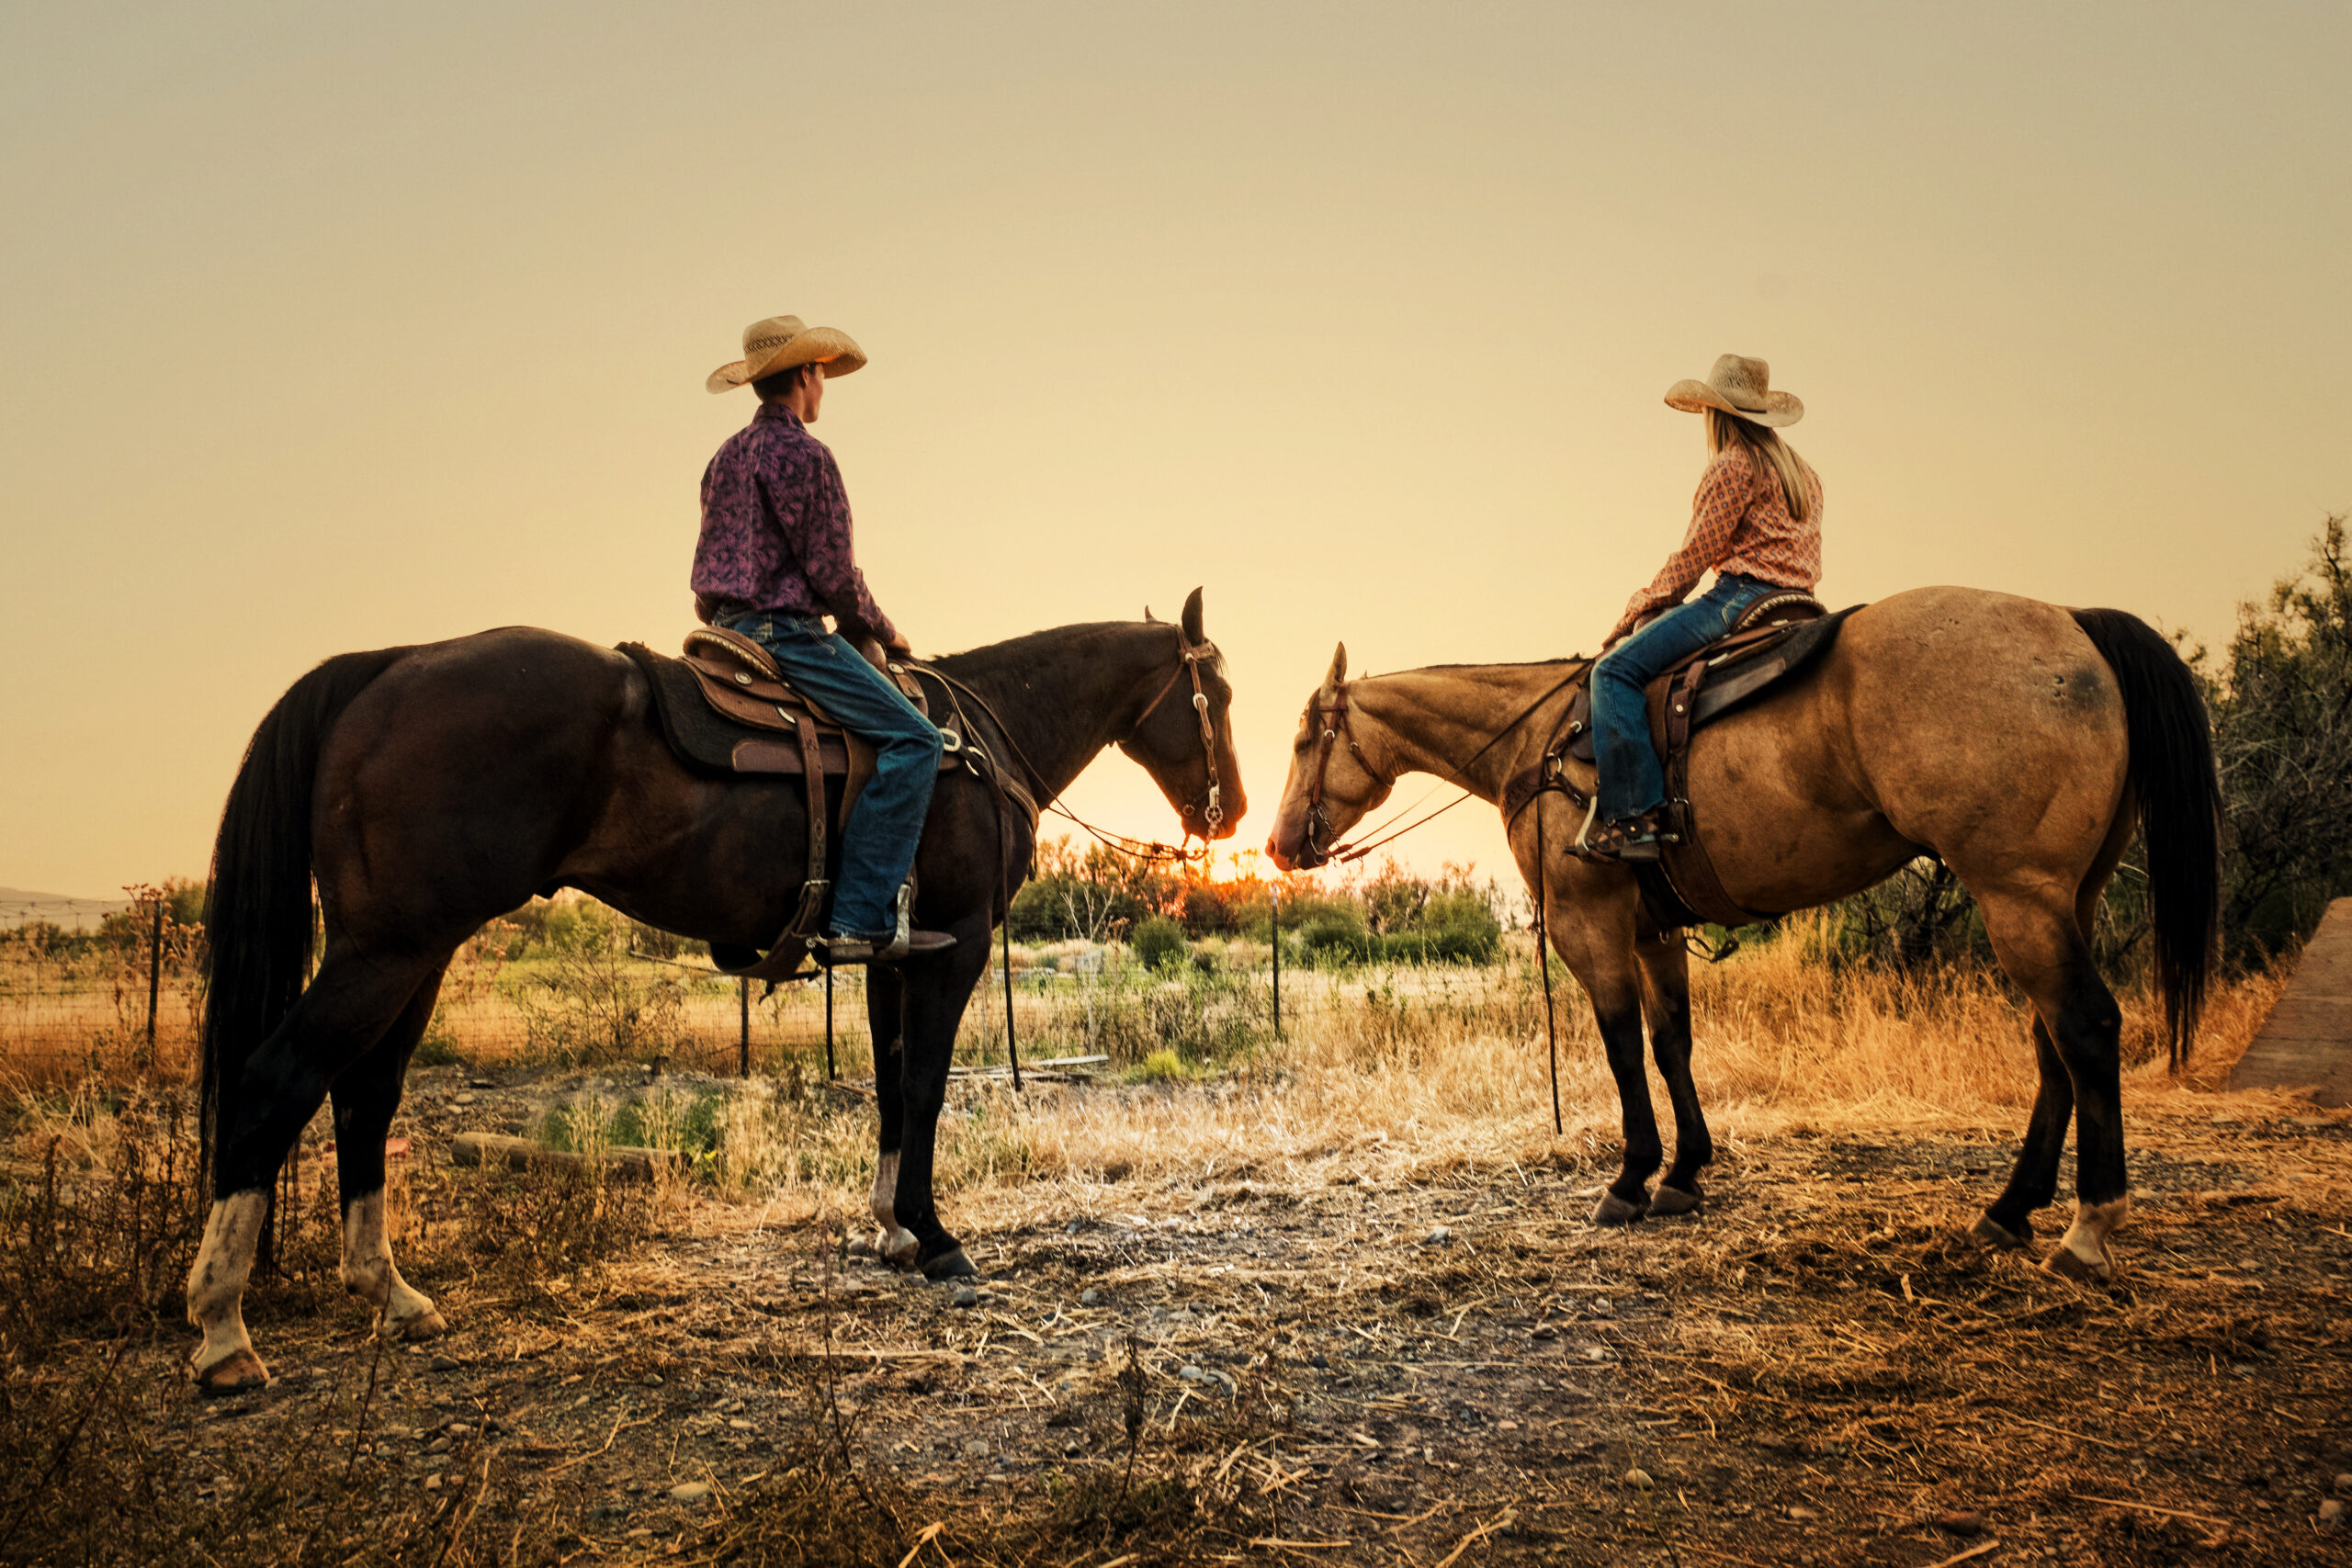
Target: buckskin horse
(427, 789)
(2016, 740)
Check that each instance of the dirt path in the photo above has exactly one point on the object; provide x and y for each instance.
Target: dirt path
(1813, 1371)
(2306, 1043)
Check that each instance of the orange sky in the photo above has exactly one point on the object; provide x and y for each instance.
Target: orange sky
(336, 327)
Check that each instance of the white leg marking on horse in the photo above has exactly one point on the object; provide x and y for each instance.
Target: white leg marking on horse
(885, 1190)
(402, 1311)
(216, 1288)
(2084, 1244)
(894, 1245)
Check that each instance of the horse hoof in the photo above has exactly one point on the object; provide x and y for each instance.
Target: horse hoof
(426, 1325)
(240, 1372)
(1675, 1200)
(897, 1247)
(1993, 1233)
(1614, 1210)
(949, 1265)
(2068, 1264)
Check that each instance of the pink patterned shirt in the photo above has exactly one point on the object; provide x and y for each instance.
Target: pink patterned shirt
(1740, 522)
(775, 531)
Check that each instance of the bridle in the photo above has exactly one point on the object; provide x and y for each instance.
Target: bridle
(1336, 728)
(1191, 656)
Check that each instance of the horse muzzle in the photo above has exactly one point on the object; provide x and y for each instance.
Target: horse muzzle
(1306, 854)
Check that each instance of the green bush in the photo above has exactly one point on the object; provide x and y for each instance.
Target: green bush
(1335, 932)
(1162, 1065)
(1440, 944)
(1158, 944)
(1459, 927)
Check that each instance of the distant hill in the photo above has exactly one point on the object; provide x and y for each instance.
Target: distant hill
(18, 907)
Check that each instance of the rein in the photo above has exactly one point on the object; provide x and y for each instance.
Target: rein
(981, 762)
(1040, 800)
(1319, 820)
(1192, 653)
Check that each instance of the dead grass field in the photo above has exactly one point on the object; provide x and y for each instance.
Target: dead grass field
(1336, 1302)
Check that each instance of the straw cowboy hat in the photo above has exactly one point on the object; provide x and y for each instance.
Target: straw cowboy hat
(1741, 386)
(782, 342)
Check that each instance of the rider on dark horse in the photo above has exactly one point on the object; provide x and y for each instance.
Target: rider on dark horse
(775, 559)
(1757, 523)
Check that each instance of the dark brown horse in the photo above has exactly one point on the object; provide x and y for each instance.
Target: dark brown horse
(428, 790)
(2020, 742)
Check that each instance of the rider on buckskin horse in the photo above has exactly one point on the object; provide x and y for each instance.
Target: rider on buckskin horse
(1757, 522)
(776, 557)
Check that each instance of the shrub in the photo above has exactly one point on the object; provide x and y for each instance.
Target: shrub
(1162, 1065)
(1335, 931)
(591, 1002)
(1089, 896)
(1159, 942)
(438, 1049)
(1440, 944)
(1224, 909)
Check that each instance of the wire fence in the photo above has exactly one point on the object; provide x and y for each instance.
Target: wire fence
(134, 1009)
(77, 915)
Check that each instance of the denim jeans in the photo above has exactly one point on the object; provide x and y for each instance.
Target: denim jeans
(1631, 779)
(878, 844)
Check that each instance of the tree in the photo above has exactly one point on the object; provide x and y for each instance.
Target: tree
(2282, 728)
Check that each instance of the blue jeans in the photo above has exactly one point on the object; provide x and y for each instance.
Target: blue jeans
(878, 844)
(1631, 779)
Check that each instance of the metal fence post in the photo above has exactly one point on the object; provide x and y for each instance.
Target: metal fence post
(154, 975)
(1274, 930)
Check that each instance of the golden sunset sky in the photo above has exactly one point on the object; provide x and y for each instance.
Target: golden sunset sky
(334, 327)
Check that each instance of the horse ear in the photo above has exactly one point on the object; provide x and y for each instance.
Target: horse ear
(1339, 666)
(1148, 616)
(1193, 618)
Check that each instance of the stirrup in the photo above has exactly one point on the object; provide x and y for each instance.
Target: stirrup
(902, 933)
(846, 952)
(902, 943)
(1636, 840)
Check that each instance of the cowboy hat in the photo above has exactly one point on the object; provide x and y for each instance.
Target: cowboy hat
(1741, 386)
(780, 343)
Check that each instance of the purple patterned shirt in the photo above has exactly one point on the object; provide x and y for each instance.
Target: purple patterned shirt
(775, 531)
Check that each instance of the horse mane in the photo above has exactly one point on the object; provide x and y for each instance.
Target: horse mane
(1020, 653)
(1494, 664)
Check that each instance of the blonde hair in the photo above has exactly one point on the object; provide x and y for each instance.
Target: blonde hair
(1726, 429)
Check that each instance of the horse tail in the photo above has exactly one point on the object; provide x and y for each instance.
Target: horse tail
(257, 907)
(2179, 795)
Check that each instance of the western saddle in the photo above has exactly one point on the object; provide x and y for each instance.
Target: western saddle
(725, 708)
(1779, 637)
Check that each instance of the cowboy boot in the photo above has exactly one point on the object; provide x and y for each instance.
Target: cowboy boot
(1629, 841)
(901, 942)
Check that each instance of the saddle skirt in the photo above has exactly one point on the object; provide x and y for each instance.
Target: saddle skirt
(1764, 646)
(1779, 637)
(725, 707)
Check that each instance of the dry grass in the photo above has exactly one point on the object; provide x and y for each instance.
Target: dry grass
(1267, 1224)
(1431, 1072)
